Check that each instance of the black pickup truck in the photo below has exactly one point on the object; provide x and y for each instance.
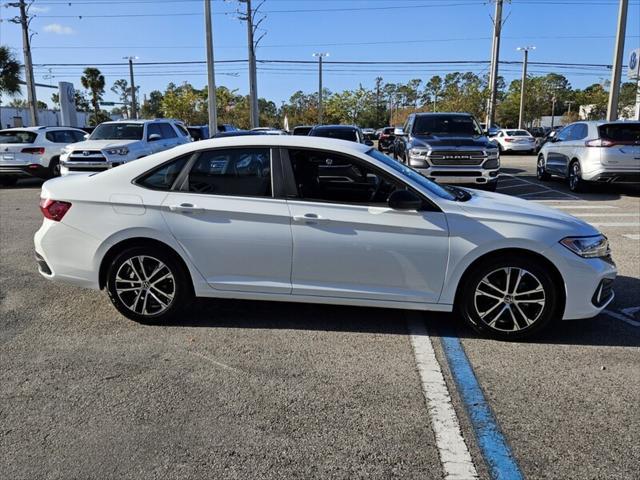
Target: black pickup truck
(448, 148)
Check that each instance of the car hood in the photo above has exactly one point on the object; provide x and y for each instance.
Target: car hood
(451, 141)
(100, 144)
(496, 207)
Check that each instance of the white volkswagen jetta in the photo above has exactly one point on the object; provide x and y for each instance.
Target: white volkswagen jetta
(308, 219)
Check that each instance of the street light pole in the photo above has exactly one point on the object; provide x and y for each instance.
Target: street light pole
(525, 50)
(211, 85)
(495, 59)
(616, 73)
(28, 62)
(134, 109)
(320, 56)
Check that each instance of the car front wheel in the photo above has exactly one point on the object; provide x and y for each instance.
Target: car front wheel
(509, 298)
(148, 285)
(541, 171)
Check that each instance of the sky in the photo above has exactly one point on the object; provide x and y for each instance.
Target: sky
(92, 32)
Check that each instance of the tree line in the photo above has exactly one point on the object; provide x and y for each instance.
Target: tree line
(384, 104)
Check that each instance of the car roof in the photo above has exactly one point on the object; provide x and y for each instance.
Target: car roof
(424, 114)
(335, 127)
(284, 141)
(38, 129)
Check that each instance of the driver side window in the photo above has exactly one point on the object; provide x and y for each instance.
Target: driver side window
(329, 177)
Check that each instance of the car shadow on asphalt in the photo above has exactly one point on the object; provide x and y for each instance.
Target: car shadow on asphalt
(602, 330)
(27, 183)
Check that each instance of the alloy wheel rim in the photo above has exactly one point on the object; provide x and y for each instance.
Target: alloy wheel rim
(509, 299)
(145, 285)
(540, 167)
(575, 172)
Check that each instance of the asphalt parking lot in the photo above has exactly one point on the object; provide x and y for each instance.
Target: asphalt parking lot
(271, 390)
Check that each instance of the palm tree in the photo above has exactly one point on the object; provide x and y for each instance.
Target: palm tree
(9, 72)
(93, 81)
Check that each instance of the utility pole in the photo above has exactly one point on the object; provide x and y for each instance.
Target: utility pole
(618, 52)
(525, 50)
(134, 109)
(553, 110)
(253, 77)
(24, 21)
(569, 103)
(211, 85)
(320, 55)
(495, 58)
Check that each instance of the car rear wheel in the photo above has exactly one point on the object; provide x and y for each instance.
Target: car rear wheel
(509, 298)
(541, 171)
(576, 183)
(148, 285)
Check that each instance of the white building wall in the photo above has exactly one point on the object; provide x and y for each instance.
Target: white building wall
(47, 118)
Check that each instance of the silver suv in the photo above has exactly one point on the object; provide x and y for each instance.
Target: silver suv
(114, 143)
(595, 151)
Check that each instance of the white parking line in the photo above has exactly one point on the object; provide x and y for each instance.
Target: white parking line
(454, 454)
(631, 311)
(632, 236)
(619, 316)
(616, 224)
(578, 207)
(516, 186)
(543, 186)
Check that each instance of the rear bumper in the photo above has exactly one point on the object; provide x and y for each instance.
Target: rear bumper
(519, 147)
(24, 171)
(605, 175)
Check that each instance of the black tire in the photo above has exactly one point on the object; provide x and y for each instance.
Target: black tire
(494, 269)
(541, 171)
(8, 181)
(54, 167)
(574, 178)
(182, 292)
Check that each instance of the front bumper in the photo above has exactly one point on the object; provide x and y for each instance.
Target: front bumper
(588, 282)
(461, 175)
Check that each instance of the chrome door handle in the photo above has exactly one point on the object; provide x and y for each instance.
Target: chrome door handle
(309, 218)
(185, 208)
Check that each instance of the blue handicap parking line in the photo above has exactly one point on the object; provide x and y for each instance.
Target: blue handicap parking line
(497, 454)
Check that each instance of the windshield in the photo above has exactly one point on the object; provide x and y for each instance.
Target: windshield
(118, 131)
(17, 136)
(517, 133)
(413, 175)
(339, 133)
(446, 125)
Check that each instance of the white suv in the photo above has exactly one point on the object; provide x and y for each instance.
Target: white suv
(114, 143)
(33, 151)
(595, 151)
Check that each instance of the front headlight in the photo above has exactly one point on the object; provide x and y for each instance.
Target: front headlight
(118, 151)
(66, 150)
(596, 246)
(419, 152)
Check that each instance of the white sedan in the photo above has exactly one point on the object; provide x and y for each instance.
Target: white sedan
(308, 219)
(513, 140)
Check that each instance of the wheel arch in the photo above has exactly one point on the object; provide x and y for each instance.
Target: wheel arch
(519, 252)
(122, 245)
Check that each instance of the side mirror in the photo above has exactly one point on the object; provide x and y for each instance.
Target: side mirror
(404, 200)
(86, 136)
(154, 137)
(399, 132)
(368, 142)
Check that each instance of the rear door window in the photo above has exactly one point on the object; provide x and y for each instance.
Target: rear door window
(579, 132)
(153, 129)
(244, 172)
(167, 130)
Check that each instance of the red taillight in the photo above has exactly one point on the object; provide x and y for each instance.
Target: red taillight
(54, 209)
(508, 140)
(34, 150)
(598, 142)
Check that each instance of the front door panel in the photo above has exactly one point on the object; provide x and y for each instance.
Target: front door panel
(366, 252)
